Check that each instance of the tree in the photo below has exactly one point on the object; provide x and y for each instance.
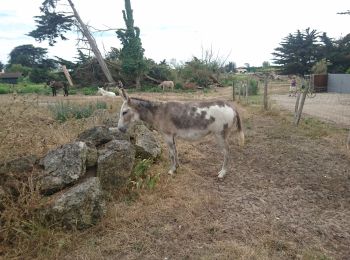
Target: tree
(28, 55)
(298, 52)
(336, 53)
(53, 24)
(2, 66)
(131, 55)
(230, 67)
(18, 68)
(320, 67)
(160, 71)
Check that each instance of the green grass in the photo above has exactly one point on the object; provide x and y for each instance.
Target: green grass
(88, 91)
(25, 88)
(42, 89)
(5, 89)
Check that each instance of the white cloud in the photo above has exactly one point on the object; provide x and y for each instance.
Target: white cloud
(248, 30)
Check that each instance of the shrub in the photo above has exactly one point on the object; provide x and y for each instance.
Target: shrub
(38, 89)
(5, 89)
(252, 87)
(178, 86)
(89, 91)
(72, 91)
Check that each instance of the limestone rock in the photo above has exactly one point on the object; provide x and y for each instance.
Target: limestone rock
(63, 166)
(80, 206)
(115, 163)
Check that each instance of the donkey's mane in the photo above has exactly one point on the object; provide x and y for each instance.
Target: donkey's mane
(141, 104)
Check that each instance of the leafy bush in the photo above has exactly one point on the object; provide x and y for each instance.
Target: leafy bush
(19, 68)
(5, 89)
(178, 86)
(62, 111)
(252, 87)
(89, 91)
(38, 75)
(72, 91)
(141, 178)
(38, 89)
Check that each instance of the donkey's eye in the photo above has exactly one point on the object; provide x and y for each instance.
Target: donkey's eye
(125, 112)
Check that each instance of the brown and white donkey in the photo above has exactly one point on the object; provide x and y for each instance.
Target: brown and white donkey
(187, 120)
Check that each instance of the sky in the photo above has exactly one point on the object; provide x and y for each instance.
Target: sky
(237, 31)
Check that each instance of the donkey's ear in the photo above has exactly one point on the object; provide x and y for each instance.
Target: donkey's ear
(124, 95)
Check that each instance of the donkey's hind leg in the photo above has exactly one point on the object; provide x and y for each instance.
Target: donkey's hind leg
(225, 148)
(170, 140)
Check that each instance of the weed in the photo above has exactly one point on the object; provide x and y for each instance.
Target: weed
(141, 178)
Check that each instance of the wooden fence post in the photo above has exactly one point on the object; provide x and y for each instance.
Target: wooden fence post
(239, 91)
(265, 94)
(233, 91)
(301, 106)
(246, 91)
(297, 105)
(348, 142)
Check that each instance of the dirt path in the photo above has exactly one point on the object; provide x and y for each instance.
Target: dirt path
(287, 196)
(327, 106)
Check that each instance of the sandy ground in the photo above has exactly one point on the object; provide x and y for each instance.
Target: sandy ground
(327, 106)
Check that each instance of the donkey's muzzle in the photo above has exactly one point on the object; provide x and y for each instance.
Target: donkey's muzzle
(122, 129)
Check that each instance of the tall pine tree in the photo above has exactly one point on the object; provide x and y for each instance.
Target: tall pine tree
(131, 54)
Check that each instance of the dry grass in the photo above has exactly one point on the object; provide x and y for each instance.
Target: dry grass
(28, 128)
(274, 204)
(26, 122)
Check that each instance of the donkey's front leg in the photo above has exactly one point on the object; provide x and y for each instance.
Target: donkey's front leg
(170, 140)
(224, 146)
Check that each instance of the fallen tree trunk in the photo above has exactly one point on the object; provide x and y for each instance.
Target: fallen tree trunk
(92, 42)
(153, 79)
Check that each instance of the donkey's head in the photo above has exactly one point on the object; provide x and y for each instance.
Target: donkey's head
(128, 114)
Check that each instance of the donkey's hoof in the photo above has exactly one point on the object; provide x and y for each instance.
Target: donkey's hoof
(222, 174)
(171, 172)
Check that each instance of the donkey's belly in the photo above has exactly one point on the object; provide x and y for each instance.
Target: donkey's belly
(192, 134)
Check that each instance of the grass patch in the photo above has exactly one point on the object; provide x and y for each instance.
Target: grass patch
(315, 128)
(62, 111)
(25, 88)
(4, 89)
(155, 89)
(89, 91)
(34, 89)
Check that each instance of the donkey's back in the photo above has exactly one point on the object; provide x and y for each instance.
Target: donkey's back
(193, 120)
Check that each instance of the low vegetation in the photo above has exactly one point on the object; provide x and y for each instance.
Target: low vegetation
(62, 111)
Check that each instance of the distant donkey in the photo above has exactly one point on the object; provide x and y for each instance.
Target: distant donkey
(187, 120)
(168, 84)
(55, 85)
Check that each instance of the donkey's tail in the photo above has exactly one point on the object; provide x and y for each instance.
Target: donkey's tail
(240, 129)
